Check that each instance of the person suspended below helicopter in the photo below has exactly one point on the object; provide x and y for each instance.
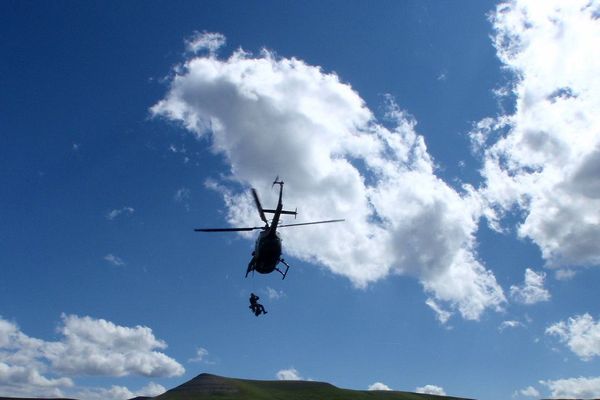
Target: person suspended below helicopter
(255, 306)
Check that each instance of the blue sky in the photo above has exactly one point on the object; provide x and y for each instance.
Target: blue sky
(461, 145)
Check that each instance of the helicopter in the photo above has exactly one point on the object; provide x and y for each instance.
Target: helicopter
(267, 249)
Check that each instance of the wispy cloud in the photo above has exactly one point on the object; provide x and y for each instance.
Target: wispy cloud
(274, 294)
(205, 41)
(111, 215)
(114, 260)
(182, 196)
(509, 325)
(442, 315)
(201, 356)
(564, 274)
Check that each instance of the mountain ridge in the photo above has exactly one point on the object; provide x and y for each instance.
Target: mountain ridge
(214, 387)
(208, 386)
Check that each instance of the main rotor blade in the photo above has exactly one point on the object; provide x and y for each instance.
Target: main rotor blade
(312, 223)
(227, 229)
(259, 207)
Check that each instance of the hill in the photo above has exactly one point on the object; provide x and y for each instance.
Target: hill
(213, 387)
(209, 387)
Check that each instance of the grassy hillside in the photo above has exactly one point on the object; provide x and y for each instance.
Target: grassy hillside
(205, 387)
(212, 387)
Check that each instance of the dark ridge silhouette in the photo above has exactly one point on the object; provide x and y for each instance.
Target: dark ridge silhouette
(209, 387)
(206, 384)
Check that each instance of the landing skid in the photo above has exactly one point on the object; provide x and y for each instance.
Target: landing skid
(287, 267)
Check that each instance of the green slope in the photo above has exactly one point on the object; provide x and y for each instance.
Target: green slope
(205, 387)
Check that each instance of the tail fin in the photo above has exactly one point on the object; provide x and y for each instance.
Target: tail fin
(277, 181)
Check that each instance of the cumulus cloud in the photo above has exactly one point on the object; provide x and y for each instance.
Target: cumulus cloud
(544, 158)
(34, 367)
(114, 260)
(574, 388)
(111, 215)
(580, 333)
(379, 386)
(431, 389)
(529, 391)
(532, 291)
(118, 392)
(272, 116)
(290, 374)
(21, 371)
(99, 347)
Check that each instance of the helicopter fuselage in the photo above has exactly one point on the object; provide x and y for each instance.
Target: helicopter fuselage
(267, 249)
(267, 252)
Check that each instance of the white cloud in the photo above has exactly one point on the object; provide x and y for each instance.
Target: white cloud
(290, 374)
(201, 355)
(274, 294)
(272, 116)
(574, 388)
(509, 324)
(34, 367)
(152, 389)
(580, 333)
(529, 391)
(114, 260)
(111, 215)
(21, 372)
(442, 315)
(379, 386)
(431, 389)
(99, 347)
(201, 41)
(533, 290)
(545, 157)
(564, 274)
(118, 392)
(24, 381)
(182, 195)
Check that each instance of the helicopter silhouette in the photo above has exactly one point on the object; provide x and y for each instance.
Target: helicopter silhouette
(267, 249)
